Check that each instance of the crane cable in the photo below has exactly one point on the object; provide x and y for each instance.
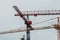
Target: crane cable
(44, 21)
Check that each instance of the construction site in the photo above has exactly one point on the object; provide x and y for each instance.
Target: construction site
(34, 21)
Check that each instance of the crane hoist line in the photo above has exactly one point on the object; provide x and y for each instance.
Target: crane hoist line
(45, 21)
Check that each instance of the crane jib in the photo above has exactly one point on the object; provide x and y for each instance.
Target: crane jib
(39, 14)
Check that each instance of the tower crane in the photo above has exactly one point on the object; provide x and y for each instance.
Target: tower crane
(35, 13)
(28, 22)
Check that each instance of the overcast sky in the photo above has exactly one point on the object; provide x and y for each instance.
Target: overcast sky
(9, 21)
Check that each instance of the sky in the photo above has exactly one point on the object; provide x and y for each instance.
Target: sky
(9, 21)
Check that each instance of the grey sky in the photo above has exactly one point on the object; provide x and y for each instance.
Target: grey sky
(9, 21)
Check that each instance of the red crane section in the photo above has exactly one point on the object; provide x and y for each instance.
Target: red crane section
(22, 16)
(20, 13)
